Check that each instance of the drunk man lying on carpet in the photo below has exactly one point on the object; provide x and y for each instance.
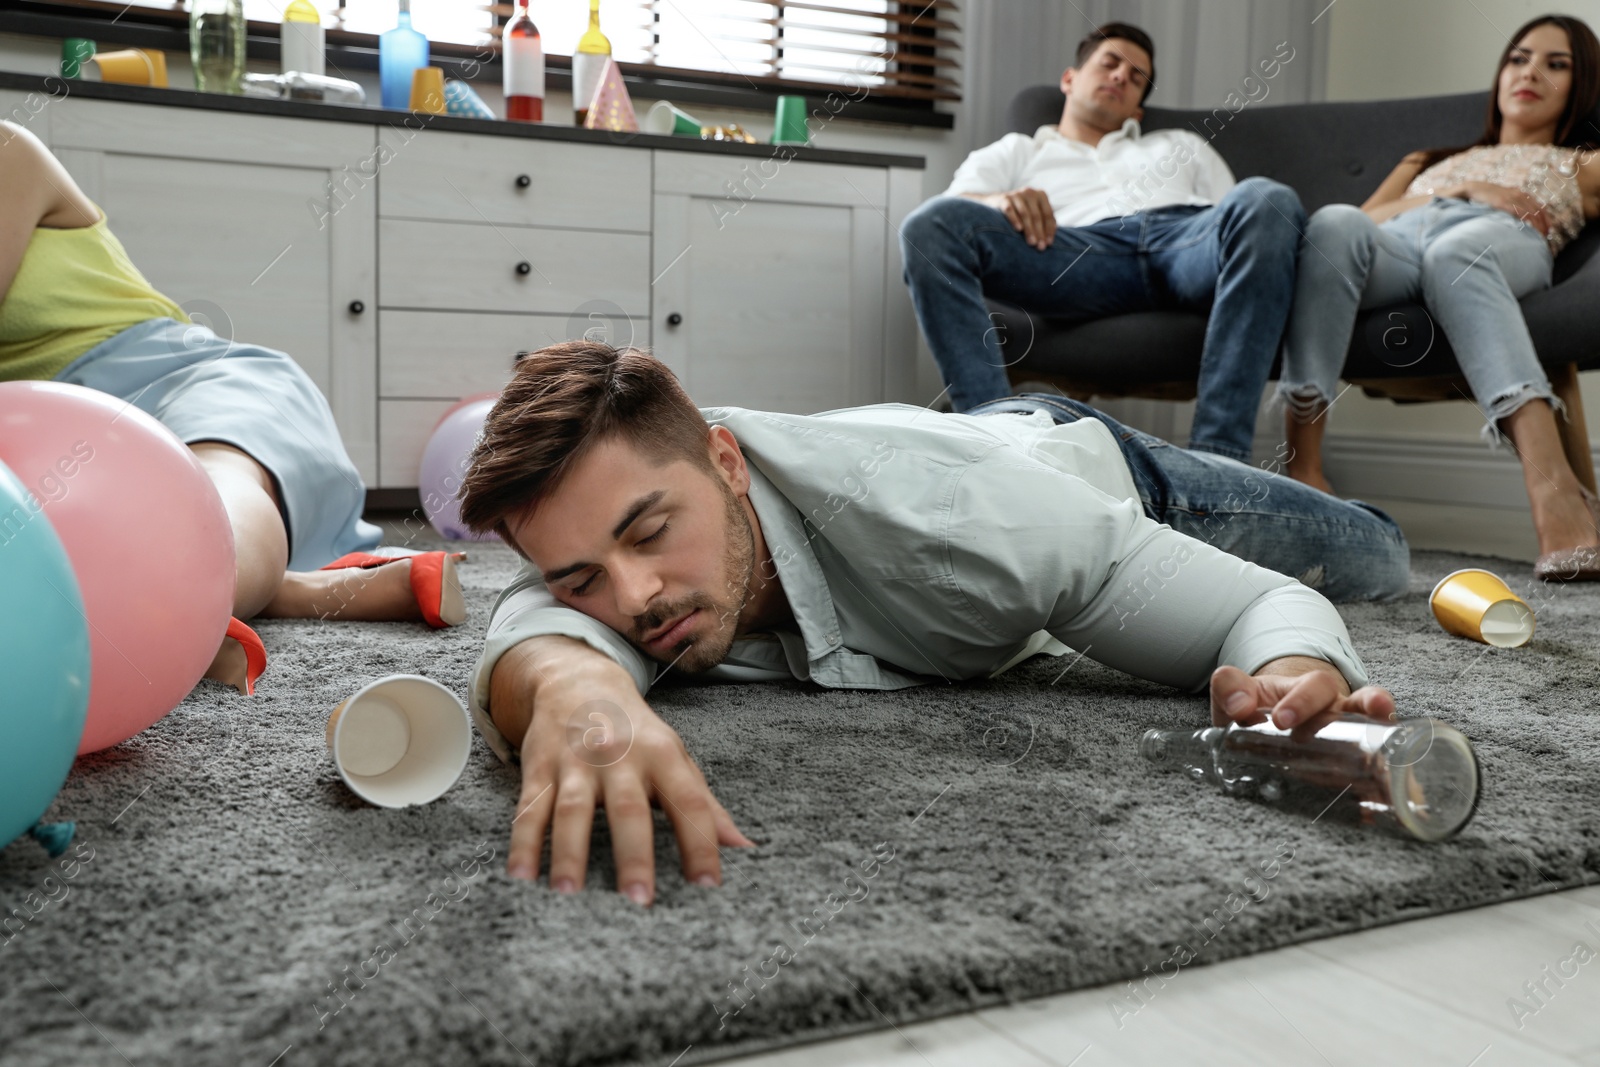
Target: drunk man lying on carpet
(867, 548)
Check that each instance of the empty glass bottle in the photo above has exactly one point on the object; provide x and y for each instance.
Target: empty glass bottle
(216, 45)
(1416, 778)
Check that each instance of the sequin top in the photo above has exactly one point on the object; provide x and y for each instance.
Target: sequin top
(1548, 173)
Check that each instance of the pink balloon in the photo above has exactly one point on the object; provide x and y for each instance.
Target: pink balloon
(148, 539)
(444, 464)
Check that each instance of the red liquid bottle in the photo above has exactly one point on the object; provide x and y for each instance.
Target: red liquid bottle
(522, 59)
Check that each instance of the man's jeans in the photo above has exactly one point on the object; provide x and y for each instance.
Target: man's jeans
(1236, 260)
(1344, 549)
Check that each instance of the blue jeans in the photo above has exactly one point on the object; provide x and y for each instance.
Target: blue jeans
(1344, 549)
(1236, 259)
(1468, 264)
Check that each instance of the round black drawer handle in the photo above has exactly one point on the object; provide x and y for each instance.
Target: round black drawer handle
(523, 181)
(524, 267)
(674, 319)
(357, 307)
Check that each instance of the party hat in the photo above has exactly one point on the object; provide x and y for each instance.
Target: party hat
(611, 108)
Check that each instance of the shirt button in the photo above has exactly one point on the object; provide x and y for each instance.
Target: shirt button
(833, 637)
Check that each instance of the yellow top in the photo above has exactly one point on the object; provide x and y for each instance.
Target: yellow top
(73, 289)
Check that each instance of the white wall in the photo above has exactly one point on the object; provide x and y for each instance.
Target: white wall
(1393, 48)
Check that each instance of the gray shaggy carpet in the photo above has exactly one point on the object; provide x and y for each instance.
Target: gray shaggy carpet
(921, 853)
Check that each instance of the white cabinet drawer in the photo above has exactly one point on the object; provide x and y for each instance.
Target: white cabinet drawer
(460, 267)
(734, 180)
(193, 133)
(514, 180)
(446, 355)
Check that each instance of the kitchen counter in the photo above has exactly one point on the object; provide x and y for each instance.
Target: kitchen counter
(54, 86)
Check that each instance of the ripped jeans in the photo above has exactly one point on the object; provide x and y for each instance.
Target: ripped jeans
(1344, 549)
(1468, 264)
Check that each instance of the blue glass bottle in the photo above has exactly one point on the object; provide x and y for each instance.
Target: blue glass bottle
(400, 51)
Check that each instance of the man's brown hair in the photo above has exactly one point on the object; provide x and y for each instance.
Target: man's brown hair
(1121, 31)
(562, 400)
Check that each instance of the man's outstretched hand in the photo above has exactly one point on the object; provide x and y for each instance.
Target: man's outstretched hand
(592, 741)
(1303, 694)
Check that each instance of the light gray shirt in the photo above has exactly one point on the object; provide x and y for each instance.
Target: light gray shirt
(915, 546)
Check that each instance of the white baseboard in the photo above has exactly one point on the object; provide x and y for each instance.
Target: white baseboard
(1430, 471)
(1456, 496)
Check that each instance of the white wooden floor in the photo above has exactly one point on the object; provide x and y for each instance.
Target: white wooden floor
(1421, 993)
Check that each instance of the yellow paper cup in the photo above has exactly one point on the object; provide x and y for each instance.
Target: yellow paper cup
(133, 66)
(400, 740)
(1477, 604)
(427, 90)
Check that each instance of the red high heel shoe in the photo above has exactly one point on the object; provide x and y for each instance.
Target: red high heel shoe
(433, 582)
(255, 653)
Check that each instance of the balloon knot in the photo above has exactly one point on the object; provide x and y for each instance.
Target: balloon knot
(54, 836)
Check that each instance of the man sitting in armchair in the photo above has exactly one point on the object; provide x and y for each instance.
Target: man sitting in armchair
(1092, 218)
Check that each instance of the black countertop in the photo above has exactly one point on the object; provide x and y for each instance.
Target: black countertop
(52, 85)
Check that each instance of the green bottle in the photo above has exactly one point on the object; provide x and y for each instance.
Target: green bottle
(216, 45)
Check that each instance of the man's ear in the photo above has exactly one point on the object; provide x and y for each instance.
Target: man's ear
(728, 459)
(1066, 81)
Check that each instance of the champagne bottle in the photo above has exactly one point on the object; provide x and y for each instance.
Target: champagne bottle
(301, 38)
(216, 45)
(589, 64)
(401, 51)
(522, 59)
(1415, 778)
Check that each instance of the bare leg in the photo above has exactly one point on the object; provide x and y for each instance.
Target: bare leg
(261, 545)
(263, 585)
(377, 594)
(1560, 517)
(1304, 423)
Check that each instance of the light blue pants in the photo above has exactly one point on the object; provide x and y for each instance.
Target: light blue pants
(1468, 264)
(207, 388)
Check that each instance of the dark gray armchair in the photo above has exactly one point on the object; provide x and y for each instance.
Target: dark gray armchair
(1328, 153)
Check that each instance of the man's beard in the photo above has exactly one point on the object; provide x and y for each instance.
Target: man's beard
(703, 652)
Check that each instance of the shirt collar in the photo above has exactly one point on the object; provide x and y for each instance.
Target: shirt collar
(1130, 131)
(804, 586)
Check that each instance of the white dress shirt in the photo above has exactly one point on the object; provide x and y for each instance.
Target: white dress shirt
(915, 546)
(1127, 172)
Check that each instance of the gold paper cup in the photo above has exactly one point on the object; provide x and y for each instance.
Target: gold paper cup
(427, 90)
(133, 66)
(1478, 605)
(400, 740)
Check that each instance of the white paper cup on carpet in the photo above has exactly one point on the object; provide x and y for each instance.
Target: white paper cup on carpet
(400, 740)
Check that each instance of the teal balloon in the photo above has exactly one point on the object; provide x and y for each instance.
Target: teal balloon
(44, 660)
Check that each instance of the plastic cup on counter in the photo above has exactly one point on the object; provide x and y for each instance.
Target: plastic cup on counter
(133, 66)
(667, 118)
(75, 52)
(427, 90)
(790, 121)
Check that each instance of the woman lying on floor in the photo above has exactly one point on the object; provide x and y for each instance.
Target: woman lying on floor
(74, 309)
(1469, 231)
